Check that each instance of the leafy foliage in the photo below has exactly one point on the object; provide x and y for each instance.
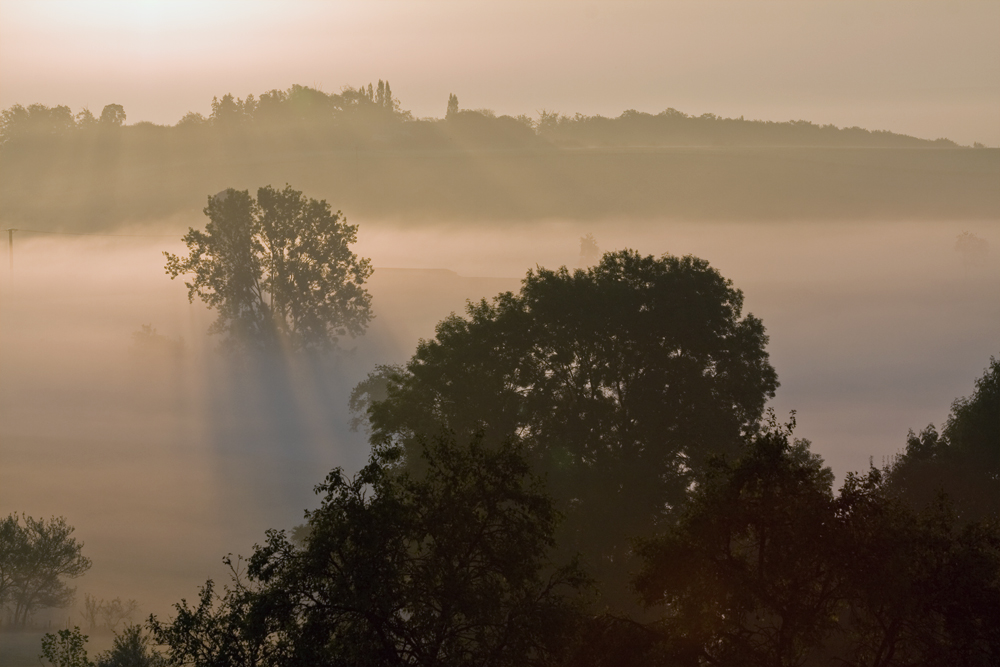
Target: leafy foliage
(65, 649)
(920, 587)
(378, 110)
(964, 460)
(620, 380)
(278, 269)
(223, 630)
(745, 576)
(113, 115)
(131, 648)
(447, 569)
(36, 555)
(768, 567)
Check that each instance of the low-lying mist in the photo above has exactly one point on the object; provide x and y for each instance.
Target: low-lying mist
(118, 412)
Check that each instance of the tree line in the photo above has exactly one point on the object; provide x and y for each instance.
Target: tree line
(79, 172)
(371, 115)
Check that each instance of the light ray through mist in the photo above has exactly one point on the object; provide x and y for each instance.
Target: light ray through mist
(166, 456)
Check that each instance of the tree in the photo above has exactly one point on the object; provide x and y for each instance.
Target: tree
(974, 250)
(107, 614)
(380, 95)
(452, 106)
(448, 569)
(589, 250)
(35, 121)
(92, 608)
(920, 586)
(131, 648)
(744, 576)
(35, 557)
(964, 460)
(389, 102)
(231, 111)
(113, 115)
(13, 547)
(278, 269)
(767, 567)
(223, 630)
(65, 649)
(620, 380)
(85, 119)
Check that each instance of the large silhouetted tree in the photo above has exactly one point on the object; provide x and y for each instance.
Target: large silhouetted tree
(278, 269)
(621, 380)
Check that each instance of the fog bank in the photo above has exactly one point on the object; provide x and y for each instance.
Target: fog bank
(166, 456)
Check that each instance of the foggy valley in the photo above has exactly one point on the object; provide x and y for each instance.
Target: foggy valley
(870, 256)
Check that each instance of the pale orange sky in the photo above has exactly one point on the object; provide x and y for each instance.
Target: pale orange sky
(929, 69)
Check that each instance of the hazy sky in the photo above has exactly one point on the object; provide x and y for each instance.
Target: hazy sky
(929, 69)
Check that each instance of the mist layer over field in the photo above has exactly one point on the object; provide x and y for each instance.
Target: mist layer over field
(166, 455)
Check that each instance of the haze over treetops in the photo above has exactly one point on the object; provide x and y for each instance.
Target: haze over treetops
(369, 156)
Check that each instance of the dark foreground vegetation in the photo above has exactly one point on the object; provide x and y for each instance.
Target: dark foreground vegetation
(584, 474)
(360, 148)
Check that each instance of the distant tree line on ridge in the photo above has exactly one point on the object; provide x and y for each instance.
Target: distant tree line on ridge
(371, 115)
(359, 147)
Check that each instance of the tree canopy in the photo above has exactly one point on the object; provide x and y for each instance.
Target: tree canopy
(36, 558)
(964, 460)
(621, 380)
(372, 108)
(768, 567)
(450, 569)
(278, 269)
(379, 161)
(744, 575)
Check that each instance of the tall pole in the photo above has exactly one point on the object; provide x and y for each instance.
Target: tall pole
(10, 247)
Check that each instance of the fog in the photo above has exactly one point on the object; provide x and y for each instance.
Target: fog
(664, 127)
(165, 455)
